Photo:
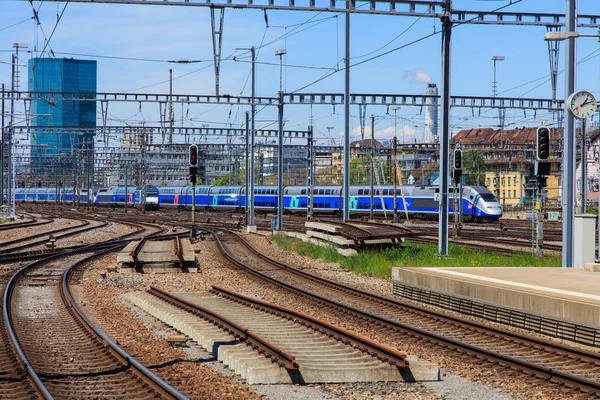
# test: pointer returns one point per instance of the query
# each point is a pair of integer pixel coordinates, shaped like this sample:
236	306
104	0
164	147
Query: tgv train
52	195
478	203
134	196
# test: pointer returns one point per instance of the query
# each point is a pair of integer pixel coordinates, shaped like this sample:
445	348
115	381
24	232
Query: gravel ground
142	336
19	233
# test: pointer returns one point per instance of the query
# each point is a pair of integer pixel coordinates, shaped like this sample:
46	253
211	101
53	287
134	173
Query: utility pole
583	169
247	174
126	190
395	168
347	116
372	212
280	165
252	133
2	147
171	114
310	175
568	178
445	138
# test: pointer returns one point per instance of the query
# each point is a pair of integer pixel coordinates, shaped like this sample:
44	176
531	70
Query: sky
133	43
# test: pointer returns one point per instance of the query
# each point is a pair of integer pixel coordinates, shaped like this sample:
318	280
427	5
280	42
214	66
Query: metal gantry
374	99
407	8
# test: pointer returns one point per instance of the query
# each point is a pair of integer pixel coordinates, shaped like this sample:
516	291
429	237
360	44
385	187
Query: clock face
582	104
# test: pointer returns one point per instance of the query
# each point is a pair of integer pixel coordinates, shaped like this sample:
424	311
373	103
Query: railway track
64	355
27	242
574	370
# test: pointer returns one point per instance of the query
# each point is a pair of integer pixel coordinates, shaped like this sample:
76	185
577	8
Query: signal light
543	143
458	160
193	156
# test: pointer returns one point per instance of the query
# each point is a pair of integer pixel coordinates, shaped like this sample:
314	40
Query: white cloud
417	75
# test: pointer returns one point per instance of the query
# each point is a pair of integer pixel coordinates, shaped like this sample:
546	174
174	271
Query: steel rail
7	315
282	357
550	374
382	352
137	368
25	224
37	235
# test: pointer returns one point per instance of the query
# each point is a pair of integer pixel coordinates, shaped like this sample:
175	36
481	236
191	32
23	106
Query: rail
239	331
384	353
525	367
141	371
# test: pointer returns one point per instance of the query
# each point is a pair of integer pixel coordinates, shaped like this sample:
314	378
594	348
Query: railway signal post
542	170
457	187
193	161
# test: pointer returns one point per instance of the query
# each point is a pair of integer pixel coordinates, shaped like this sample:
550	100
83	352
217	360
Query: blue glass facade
56	151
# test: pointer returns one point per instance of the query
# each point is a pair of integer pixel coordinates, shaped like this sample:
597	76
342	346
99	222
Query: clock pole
568	176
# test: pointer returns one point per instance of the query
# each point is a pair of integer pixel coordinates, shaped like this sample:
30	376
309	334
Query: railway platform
566	295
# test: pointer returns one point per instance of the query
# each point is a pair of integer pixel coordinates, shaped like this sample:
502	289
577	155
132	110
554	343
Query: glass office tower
66	149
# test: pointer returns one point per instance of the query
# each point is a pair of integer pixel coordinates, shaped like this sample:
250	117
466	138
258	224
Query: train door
294	202
353	202
215	201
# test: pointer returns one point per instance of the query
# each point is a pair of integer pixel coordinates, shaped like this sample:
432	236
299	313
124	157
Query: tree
474	167
359	171
224	180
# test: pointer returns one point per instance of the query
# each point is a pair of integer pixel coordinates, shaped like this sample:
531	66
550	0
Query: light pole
281	53
495	94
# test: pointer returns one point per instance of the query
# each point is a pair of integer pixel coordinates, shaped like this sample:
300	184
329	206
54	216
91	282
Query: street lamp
559	36
280	53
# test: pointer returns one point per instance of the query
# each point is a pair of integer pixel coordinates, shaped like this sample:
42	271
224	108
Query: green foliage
474	167
224	180
326	253
380	263
592	210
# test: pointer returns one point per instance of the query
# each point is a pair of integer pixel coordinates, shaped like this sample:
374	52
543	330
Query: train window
360	191
367	191
303	191
302	204
327	191
386	192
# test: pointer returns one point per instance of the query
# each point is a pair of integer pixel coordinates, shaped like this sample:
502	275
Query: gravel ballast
100	290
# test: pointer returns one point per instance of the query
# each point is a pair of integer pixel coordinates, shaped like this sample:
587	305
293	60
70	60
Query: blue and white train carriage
478	202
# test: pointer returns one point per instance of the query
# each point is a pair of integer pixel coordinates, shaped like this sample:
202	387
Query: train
132	196
478	203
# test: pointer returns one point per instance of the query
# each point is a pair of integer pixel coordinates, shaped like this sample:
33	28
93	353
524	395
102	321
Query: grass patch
380	263
326	253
